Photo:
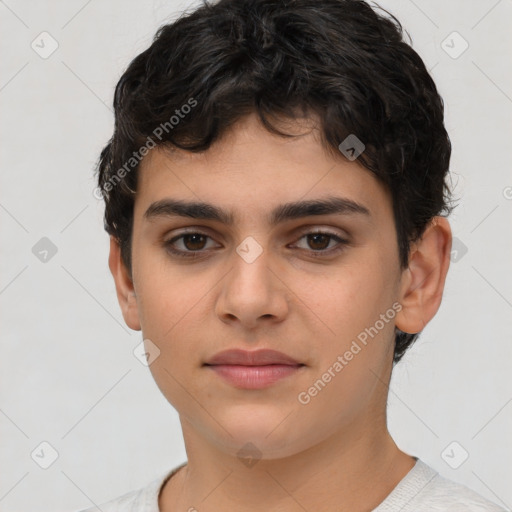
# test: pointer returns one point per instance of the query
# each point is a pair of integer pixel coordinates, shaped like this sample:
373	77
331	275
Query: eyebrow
199	210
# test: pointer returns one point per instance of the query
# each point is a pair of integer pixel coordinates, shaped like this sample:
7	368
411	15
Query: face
320	286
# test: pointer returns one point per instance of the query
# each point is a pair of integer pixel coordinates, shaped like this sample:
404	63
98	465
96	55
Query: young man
275	191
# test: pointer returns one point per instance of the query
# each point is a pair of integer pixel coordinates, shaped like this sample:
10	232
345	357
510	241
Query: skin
335	452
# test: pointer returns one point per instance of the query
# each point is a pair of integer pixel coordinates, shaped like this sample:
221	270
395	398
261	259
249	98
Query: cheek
169	306
355	351
164	293
349	298
358	344
175	308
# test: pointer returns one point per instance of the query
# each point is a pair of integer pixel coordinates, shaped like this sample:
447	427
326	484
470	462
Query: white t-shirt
421	490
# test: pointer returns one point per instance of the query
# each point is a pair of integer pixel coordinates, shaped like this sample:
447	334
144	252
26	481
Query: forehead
250	170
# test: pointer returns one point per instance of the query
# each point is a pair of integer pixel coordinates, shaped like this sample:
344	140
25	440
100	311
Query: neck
349	471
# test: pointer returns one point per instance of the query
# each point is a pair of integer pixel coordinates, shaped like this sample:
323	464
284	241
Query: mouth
254	377
253	369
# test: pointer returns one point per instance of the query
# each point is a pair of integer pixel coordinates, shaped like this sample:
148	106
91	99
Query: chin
258	433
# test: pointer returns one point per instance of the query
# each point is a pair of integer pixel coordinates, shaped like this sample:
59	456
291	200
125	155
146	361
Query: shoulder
134	501
128	502
445	495
424	490
144	499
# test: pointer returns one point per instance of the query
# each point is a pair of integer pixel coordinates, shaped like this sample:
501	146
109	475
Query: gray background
68	374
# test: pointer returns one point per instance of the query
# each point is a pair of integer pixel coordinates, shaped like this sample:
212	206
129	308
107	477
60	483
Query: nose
252	291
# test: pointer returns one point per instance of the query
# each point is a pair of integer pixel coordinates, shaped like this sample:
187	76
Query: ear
422	282
124	286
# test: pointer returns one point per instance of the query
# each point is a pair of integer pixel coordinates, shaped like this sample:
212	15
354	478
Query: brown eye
194	242
318	242
188	245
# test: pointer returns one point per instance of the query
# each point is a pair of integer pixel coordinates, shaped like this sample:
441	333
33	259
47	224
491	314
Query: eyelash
199	253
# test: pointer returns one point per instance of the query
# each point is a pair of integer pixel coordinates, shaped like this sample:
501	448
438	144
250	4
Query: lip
255	369
251	358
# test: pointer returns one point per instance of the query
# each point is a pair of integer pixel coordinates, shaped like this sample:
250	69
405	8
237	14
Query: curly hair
282	59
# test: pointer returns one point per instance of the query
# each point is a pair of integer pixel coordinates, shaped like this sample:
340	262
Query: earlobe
424	279
124	286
